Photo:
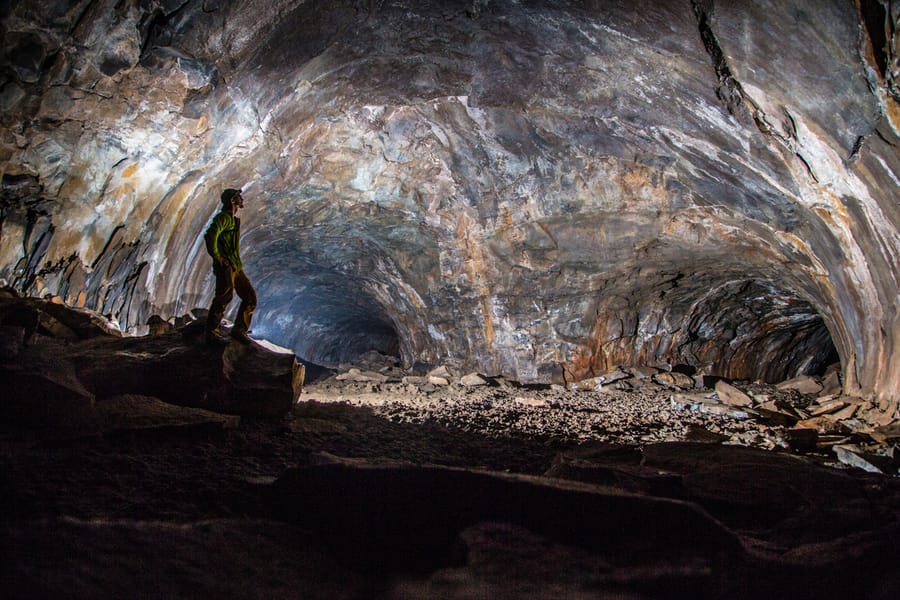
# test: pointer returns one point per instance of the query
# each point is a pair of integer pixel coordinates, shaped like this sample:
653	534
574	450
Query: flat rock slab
732	396
144	414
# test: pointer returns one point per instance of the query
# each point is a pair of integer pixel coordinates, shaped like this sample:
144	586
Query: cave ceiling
535	189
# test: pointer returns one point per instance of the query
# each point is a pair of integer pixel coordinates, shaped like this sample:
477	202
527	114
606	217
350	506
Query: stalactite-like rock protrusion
538	190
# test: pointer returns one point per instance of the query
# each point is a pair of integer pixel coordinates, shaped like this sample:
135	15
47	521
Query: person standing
223	242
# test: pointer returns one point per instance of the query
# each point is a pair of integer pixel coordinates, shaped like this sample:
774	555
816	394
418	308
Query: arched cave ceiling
538	189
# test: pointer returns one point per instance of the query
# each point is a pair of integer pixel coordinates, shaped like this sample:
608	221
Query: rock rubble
631	406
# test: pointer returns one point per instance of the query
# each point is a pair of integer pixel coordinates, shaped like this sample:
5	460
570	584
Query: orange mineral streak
475	271
130	170
893	113
595	356
579	365
641	186
174	206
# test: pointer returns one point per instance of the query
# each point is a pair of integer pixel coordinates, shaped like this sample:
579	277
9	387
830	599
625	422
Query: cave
481	188
512	208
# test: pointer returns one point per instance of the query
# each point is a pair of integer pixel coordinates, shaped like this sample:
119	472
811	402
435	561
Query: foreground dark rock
57	363
405	515
219	558
726	522
739	523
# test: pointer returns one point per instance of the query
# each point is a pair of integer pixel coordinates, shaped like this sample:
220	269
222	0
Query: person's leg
247	294
224	294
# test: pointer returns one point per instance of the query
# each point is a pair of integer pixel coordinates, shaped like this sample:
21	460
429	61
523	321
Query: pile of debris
814	416
635	405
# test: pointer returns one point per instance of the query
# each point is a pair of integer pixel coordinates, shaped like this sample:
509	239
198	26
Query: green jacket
223	239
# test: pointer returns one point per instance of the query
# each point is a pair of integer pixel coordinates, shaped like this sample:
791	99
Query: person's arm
212	239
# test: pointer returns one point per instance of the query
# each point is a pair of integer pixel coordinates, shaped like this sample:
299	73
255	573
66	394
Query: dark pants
229	281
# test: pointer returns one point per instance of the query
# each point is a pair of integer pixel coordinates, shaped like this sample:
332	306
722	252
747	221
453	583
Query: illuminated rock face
533	189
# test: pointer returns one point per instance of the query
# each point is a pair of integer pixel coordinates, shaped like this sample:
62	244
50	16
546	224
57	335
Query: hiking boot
240	336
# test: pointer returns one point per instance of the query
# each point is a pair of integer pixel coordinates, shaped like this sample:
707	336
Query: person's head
231	198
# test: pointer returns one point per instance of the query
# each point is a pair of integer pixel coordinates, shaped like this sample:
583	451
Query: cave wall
538	189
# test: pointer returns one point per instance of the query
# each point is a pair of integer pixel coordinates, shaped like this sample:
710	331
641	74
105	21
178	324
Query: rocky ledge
66	372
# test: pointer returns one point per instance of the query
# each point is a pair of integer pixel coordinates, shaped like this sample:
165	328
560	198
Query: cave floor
358	494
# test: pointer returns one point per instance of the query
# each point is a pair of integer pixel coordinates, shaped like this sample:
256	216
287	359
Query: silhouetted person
223	242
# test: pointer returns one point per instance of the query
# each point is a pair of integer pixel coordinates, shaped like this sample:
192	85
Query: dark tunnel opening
326	318
757	330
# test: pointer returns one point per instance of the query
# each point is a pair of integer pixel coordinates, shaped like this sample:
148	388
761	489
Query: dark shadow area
874	18
434	506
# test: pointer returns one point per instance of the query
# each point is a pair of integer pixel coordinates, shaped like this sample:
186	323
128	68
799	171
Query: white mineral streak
888	170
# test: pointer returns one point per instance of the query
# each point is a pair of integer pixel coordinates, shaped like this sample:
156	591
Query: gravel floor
644	415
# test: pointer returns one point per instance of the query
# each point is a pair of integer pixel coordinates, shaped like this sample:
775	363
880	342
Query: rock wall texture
538	189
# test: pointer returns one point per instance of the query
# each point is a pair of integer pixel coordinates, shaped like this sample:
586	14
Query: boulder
732	396
51	319
239	379
441	372
845	413
375	361
675	379
852	456
702	403
644	372
828	407
472	380
531	402
359	376
597	383
158	326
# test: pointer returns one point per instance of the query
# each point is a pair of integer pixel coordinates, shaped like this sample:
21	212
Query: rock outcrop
539	190
59	363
